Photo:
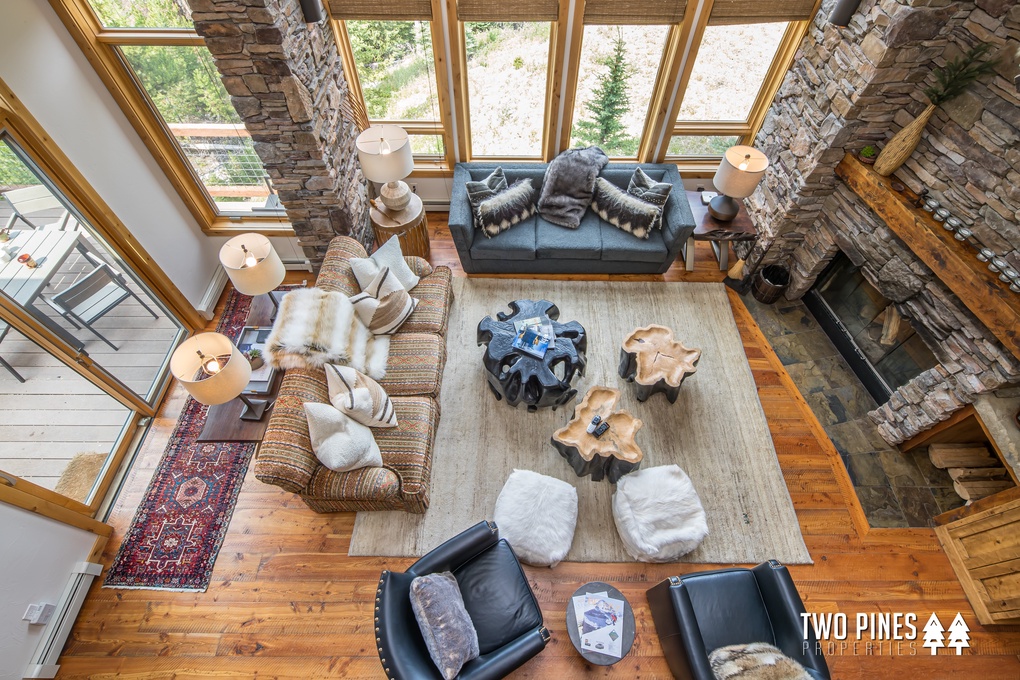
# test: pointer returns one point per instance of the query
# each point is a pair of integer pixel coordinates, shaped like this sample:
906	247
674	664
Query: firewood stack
975	470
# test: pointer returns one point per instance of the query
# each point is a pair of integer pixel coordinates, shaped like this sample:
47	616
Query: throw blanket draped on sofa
568	185
315	327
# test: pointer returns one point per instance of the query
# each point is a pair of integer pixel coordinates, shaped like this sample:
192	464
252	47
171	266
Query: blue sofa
536	246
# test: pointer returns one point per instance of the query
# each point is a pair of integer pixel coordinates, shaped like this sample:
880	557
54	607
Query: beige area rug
80	475
716	431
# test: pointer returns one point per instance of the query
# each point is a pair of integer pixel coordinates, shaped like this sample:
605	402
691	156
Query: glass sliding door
84	345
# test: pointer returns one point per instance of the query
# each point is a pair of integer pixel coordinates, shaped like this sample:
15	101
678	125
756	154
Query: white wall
45	68
36	558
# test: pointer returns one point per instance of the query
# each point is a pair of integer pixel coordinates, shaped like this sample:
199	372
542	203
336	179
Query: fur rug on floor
315	327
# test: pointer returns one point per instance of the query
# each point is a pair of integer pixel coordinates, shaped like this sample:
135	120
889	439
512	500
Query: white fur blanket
315	327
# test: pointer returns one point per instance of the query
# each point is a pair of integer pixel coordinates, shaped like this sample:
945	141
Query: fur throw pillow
568	185
358	396
537	515
388	255
505	209
338	442
315	327
650	191
754	661
449	633
623	210
384	304
486	188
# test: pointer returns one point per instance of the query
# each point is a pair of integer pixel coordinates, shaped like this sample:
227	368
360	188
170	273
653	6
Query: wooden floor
56	413
286	601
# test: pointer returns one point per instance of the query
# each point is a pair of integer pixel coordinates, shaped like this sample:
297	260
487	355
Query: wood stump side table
519	377
410	225
612	455
655	362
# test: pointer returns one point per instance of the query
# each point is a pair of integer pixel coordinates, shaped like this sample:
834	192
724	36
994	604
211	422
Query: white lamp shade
730	180
252	279
385	153
220	387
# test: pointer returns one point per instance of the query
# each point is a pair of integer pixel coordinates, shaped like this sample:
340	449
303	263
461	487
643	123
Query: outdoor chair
33	200
91	297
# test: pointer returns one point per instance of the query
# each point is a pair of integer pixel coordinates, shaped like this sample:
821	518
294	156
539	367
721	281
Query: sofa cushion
584	243
285	457
434	293
618	245
407	448
513	244
415	365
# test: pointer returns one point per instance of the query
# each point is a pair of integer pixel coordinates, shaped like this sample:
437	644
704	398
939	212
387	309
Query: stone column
287	83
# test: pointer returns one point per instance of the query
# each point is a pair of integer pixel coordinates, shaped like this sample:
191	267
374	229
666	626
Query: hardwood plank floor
286	601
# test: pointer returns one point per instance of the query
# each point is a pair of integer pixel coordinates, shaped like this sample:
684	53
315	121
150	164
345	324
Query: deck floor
56	413
287	602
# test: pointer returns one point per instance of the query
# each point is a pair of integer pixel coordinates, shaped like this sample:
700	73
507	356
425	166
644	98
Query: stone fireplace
855	86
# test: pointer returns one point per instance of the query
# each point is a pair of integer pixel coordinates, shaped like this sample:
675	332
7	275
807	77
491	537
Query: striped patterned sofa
413	377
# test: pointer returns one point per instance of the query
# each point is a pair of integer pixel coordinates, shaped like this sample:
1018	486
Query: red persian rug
177	531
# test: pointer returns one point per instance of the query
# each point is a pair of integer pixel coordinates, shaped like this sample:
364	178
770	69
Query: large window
616	78
160	71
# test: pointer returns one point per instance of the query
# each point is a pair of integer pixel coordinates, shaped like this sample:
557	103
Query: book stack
534	335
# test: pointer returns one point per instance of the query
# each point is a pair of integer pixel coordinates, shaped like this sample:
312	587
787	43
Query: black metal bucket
770	282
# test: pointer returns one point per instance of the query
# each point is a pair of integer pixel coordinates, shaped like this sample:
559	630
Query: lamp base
395	195
254	410
723	208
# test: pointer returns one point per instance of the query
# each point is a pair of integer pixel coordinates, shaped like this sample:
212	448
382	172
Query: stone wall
287	83
854	86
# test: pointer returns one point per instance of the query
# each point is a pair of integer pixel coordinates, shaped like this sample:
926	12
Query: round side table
409	225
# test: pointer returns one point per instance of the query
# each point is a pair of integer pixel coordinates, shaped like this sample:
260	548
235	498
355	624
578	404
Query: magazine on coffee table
540	324
532	342
600	623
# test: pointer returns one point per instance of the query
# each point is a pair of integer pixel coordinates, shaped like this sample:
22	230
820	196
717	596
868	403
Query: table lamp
385	155
214	371
253	266
739	172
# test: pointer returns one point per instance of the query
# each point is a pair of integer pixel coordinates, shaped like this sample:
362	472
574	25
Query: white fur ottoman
658	514
537	514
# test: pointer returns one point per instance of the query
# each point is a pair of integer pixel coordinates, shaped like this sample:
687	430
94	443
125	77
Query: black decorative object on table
520	378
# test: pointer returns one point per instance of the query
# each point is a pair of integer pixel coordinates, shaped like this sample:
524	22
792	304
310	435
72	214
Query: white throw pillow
384	304
340	443
355	394
537	515
388	255
658	514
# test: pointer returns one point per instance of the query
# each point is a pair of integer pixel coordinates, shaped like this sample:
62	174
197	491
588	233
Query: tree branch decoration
953	78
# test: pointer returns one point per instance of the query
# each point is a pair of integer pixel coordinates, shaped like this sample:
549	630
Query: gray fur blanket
568	185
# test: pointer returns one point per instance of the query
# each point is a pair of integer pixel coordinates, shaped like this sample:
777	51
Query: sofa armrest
677	218
419	265
677	627
501	662
458	550
784	605
462	225
336	274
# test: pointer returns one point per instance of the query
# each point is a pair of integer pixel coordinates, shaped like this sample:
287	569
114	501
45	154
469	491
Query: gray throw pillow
650	191
623	210
505	209
444	622
486	188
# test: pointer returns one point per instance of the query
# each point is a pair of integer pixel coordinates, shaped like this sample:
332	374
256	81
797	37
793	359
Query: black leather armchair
497	596
700	612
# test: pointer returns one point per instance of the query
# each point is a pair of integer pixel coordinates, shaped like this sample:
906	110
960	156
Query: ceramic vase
903	143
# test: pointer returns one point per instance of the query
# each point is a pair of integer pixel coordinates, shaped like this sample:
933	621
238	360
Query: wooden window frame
100	46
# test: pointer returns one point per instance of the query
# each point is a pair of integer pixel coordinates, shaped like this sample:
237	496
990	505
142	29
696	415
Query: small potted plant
867	155
255	358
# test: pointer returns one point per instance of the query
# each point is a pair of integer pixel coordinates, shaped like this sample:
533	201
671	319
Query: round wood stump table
520	378
410	225
610	456
655	362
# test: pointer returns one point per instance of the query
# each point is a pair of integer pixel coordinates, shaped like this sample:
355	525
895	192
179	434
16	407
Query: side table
600	627
610	456
716	232
410	225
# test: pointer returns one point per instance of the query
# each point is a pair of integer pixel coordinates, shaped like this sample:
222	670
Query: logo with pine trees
934	634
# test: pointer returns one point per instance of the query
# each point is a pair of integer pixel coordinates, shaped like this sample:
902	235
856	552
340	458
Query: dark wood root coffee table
655	362
622	627
520	378
610	456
